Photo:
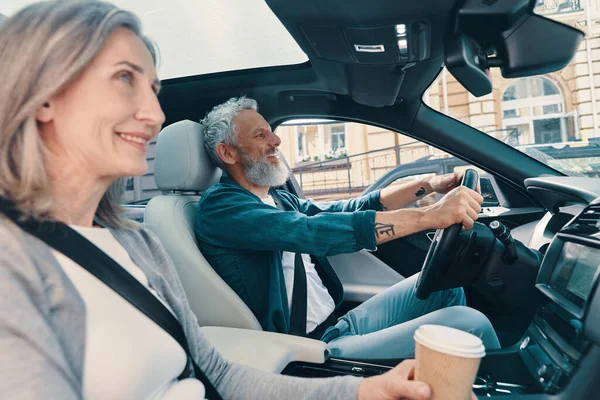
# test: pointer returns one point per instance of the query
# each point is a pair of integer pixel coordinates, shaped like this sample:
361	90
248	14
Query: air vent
590	216
489	2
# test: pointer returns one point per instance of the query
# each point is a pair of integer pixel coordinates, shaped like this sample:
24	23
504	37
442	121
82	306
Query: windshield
554	117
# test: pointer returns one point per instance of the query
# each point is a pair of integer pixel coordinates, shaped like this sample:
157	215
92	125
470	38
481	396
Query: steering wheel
443	248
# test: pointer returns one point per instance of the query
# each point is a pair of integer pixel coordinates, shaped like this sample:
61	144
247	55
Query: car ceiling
322	86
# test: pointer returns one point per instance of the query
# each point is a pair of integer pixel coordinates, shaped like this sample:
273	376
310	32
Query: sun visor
376	86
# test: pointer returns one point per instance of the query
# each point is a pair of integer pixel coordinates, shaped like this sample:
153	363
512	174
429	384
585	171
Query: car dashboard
565	330
558	357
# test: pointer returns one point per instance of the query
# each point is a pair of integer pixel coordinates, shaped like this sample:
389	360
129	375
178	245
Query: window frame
529	103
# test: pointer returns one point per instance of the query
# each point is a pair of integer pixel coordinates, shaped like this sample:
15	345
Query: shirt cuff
364	229
374	200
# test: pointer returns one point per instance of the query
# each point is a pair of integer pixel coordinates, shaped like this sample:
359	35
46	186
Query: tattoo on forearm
384	229
420	192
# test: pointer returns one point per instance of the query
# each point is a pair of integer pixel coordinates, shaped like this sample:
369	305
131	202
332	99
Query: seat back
183	171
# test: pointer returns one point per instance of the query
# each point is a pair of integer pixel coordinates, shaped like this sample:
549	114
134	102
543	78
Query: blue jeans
383	326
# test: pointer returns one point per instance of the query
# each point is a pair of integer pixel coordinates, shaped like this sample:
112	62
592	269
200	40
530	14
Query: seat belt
298	308
69	242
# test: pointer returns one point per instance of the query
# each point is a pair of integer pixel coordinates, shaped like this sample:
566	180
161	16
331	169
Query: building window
338	137
533	109
301	151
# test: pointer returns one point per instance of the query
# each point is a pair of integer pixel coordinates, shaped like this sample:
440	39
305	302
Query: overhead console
366	50
403	42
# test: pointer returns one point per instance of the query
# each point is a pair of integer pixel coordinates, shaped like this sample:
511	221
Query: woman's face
103	121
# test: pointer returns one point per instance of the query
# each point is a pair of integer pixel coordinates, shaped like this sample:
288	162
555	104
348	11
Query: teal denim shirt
243	239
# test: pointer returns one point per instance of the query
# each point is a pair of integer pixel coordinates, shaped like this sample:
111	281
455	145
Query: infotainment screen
575	271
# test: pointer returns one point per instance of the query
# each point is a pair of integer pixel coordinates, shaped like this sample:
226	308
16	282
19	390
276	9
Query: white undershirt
127	356
319	303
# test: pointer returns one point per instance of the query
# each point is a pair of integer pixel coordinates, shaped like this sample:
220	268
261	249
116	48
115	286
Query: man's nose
274	140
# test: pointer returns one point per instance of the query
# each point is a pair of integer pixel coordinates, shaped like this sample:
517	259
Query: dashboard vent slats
591	216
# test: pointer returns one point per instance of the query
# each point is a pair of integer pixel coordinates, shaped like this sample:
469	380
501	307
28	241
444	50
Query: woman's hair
44	48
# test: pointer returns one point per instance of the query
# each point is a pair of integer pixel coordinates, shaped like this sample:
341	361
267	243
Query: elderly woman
79	106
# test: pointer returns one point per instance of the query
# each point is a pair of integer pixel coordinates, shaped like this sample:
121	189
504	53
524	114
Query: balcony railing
549	7
354	173
350	175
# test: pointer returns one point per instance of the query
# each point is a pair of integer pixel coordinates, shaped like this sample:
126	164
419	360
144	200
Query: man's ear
45	113
227	154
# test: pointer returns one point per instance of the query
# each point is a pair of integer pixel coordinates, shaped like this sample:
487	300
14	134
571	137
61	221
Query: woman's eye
126	76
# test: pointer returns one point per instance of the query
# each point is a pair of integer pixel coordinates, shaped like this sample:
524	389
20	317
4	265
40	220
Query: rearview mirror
506	36
465	59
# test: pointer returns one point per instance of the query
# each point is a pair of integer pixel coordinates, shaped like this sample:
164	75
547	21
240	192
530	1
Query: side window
335	160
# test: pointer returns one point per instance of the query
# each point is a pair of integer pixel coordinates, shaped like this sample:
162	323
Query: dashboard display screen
575	271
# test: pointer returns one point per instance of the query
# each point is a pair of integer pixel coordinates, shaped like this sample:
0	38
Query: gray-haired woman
78	109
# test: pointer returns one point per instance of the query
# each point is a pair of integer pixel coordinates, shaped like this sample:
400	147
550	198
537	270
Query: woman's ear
227	153
45	113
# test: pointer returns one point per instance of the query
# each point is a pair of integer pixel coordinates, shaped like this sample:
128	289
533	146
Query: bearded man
271	246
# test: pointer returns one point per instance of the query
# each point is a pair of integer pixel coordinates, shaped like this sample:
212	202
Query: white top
319	303
127	355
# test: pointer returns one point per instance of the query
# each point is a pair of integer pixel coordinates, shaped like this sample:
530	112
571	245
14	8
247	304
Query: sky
204	36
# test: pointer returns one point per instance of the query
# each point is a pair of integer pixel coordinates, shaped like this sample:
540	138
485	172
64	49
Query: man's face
257	147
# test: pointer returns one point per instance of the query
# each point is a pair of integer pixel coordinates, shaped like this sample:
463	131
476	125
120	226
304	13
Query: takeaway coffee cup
447	359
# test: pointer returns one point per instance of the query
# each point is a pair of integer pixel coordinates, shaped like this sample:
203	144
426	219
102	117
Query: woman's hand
396	384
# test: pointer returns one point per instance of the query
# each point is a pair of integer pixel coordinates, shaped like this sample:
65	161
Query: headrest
181	162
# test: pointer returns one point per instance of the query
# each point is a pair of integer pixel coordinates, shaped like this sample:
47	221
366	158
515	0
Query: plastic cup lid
450	341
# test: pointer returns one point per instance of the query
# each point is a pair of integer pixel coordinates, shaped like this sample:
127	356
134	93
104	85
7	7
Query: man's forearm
391	225
399	196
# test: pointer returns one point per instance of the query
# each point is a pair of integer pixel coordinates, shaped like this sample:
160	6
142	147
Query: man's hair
43	49
218	126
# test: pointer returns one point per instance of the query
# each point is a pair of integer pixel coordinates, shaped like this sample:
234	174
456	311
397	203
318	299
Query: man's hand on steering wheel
457	210
460	206
443	184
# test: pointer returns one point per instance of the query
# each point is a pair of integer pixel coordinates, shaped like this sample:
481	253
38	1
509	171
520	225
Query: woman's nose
150	110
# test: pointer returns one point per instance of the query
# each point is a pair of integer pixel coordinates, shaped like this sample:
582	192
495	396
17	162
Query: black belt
298	306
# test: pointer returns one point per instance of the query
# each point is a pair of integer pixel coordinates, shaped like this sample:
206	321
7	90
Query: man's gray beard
262	172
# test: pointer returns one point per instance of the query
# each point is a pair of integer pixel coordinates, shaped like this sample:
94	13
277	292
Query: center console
555	341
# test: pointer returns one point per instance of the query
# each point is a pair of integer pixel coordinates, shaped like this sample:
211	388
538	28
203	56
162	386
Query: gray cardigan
43	322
